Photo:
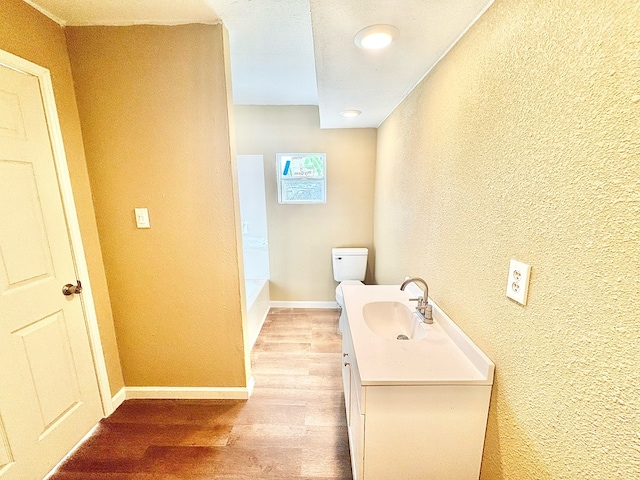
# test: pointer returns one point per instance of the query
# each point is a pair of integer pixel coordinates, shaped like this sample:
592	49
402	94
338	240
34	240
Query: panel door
49	397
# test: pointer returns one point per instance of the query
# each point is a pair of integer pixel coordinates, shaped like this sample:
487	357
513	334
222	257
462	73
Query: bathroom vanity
416	407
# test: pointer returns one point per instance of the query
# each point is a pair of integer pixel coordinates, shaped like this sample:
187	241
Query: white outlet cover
518	281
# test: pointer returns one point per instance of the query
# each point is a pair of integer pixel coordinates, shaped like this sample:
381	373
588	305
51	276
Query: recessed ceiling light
350	113
376	37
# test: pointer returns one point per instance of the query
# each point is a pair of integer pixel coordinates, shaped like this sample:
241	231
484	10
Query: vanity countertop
446	356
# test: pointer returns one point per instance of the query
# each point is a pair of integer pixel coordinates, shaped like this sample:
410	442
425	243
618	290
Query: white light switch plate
518	281
142	218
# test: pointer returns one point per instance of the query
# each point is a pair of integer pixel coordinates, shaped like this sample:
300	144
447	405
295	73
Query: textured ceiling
301	52
271	51
376	81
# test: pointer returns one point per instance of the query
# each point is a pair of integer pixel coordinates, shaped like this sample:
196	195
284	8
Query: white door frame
73	226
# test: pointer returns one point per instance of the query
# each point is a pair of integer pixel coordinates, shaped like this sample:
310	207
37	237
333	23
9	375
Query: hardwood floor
293	427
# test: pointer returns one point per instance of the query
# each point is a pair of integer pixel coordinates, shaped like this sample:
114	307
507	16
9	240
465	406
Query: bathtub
257	296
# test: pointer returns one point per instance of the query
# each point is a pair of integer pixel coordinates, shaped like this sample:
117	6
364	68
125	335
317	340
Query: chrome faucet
423	309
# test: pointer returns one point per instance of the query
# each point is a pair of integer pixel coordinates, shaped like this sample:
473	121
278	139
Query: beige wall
27	33
153	105
524	143
301	236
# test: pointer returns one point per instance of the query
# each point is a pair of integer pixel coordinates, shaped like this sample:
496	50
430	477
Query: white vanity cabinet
423	424
353	401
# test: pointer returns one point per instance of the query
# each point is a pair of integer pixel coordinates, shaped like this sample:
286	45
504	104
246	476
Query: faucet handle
428	314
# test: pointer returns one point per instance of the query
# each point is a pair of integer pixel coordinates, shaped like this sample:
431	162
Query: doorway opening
255	243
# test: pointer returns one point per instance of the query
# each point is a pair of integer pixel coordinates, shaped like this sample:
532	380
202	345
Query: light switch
142	218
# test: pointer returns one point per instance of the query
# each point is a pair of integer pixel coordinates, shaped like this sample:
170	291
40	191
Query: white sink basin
438	354
393	320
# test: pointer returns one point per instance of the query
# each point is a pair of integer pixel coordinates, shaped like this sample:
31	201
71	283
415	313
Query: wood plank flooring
293	427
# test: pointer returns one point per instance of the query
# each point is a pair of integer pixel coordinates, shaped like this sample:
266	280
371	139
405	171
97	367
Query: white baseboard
117	400
250	385
278	304
208	393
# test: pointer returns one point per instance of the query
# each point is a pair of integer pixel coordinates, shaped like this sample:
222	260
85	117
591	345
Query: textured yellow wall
301	236
524	142
27	33
153	103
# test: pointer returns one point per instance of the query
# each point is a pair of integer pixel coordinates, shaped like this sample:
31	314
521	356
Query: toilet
349	267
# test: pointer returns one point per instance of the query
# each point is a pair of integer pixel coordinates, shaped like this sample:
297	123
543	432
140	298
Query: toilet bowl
339	296
340	301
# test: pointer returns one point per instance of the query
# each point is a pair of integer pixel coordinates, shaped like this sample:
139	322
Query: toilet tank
349	263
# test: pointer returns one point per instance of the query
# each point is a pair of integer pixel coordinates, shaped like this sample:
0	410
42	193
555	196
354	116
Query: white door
49	397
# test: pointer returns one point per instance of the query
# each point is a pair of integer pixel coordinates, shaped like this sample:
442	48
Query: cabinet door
356	435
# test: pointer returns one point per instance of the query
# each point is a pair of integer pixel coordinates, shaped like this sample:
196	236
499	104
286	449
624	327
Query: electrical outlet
518	281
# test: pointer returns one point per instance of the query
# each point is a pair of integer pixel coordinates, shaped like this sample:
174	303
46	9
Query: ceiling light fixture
350	113
375	37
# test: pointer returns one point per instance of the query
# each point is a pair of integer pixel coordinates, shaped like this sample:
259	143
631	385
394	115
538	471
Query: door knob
70	289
